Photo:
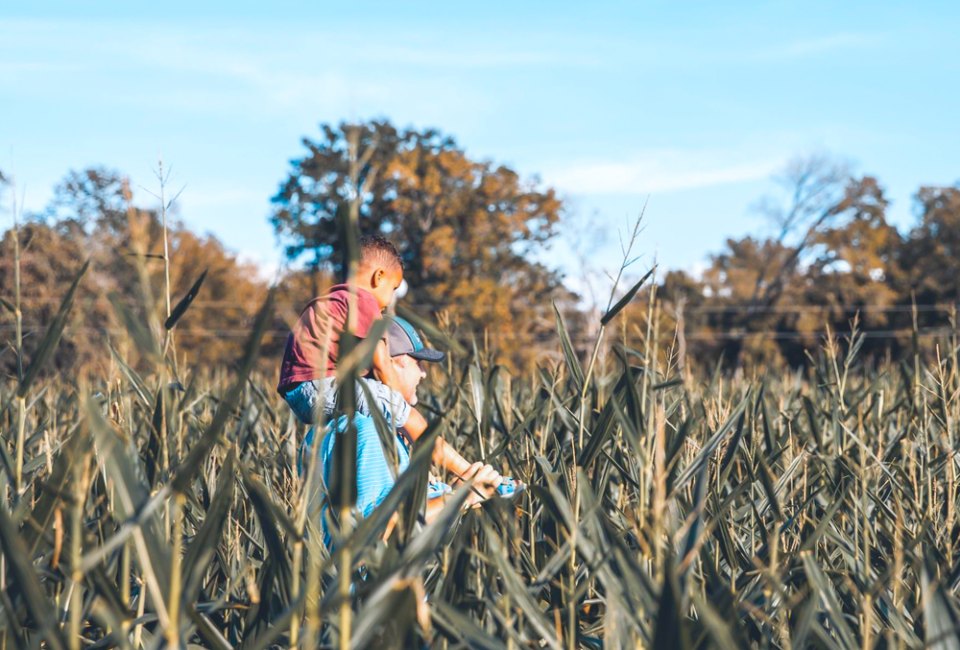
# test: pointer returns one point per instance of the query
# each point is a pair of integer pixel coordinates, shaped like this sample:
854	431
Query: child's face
384	284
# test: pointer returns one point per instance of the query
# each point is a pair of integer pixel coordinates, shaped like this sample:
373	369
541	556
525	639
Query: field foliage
162	506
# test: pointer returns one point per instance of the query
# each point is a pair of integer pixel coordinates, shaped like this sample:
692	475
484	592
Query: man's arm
443	454
450	459
485	484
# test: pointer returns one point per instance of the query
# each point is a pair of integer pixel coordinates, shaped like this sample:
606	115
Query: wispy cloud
807	48
210	70
220	197
829	43
661	171
714	55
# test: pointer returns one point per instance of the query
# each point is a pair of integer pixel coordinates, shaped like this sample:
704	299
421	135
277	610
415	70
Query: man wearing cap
375	477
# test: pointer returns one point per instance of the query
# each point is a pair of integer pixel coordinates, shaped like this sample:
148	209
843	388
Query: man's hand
485	483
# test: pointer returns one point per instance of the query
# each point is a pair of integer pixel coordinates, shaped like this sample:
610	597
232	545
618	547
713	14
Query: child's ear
378	276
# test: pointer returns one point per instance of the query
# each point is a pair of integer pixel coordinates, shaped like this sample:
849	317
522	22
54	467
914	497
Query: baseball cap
403	339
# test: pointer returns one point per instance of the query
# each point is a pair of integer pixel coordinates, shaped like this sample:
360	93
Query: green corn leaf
385	430
279	519
696	524
719	628
204	544
726	465
130	497
359	359
518	591
52	336
411	508
342	484
710	446
190	466
372	527
670	631
433	333
388	617
828	596
477	393
207	631
143	393
181	306
573	364
27	582
605	428
461	628
272	520
766	480
941	624
625	300
103	611
139	331
53	493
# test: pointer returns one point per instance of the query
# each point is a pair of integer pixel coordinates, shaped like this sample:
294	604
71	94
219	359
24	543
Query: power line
820	307
703	335
700	309
931	332
181	333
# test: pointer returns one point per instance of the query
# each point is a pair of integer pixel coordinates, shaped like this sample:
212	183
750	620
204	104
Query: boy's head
380	270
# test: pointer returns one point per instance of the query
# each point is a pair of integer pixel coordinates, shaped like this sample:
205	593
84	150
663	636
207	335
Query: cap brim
428	355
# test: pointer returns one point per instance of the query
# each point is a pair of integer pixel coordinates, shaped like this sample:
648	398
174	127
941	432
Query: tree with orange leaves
472	234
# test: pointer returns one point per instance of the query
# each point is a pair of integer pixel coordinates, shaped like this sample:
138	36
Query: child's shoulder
341	291
337	298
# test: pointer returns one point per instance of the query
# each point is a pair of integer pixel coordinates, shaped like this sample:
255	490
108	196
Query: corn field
161	506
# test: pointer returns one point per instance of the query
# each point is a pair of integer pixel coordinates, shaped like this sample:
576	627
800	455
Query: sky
689	109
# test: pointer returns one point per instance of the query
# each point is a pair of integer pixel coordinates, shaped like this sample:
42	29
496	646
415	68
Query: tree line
473	236
834	263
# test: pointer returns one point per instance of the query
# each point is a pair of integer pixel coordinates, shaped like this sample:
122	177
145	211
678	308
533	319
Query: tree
93	216
856	268
832	255
470	232
932	248
747	314
815	192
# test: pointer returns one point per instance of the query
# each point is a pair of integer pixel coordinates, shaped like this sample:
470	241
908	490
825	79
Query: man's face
410	373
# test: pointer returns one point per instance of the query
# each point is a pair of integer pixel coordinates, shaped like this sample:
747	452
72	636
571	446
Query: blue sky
695	105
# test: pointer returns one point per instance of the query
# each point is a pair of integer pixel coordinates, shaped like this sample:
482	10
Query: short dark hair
375	249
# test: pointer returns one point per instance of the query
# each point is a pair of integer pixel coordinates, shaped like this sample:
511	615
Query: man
312	353
375	476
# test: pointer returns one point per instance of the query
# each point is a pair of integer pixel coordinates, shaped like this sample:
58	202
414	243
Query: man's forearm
447	457
444	455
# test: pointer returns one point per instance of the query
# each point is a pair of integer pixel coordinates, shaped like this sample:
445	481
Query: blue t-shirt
375	474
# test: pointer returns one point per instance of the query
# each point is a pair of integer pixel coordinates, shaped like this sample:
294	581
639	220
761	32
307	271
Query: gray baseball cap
403	339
